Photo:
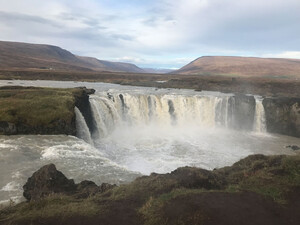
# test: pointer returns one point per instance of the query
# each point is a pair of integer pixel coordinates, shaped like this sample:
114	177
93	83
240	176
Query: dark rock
105	187
86	188
83	104
190	177
283	115
89	188
7	128
293	147
46	181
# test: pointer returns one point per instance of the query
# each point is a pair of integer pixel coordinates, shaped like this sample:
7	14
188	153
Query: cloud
288	54
158	32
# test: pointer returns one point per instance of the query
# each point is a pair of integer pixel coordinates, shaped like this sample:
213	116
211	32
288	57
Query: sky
156	33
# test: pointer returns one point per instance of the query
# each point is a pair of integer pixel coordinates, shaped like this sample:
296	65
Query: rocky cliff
283	115
32	110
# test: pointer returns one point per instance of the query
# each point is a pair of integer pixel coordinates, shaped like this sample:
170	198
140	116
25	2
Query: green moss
37	106
272	176
54	207
152	210
152	197
143	187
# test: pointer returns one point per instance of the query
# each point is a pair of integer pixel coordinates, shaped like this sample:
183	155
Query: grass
149	199
37	107
272	176
63	207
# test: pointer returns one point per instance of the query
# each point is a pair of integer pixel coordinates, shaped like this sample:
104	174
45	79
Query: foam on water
146	130
11	186
74	157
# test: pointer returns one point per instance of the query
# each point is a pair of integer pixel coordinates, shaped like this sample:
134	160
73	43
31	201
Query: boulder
46	181
88	188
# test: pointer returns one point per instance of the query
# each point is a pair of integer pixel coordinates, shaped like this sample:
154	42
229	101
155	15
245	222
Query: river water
138	130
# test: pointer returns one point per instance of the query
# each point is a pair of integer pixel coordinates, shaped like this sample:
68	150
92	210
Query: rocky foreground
256	190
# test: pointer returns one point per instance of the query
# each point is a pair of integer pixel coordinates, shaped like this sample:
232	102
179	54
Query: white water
82	128
152	130
259	117
114	109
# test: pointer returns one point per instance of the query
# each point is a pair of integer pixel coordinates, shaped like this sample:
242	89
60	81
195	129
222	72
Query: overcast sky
156	33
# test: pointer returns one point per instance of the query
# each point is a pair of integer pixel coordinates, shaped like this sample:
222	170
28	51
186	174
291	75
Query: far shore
271	86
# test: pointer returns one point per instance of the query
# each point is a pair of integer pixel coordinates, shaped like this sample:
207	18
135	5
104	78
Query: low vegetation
36	110
256	190
265	86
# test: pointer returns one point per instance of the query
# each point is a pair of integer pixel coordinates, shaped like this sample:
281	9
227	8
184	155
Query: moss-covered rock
34	110
256	190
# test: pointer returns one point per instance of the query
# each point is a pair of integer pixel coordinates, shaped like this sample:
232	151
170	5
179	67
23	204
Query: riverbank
34	110
264	86
256	190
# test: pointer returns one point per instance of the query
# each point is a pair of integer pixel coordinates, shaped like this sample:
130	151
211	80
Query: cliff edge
35	110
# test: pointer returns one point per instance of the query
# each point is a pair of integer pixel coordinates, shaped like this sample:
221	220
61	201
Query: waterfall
82	129
112	110
259	117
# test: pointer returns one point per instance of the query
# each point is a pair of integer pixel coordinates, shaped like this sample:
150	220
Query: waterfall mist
139	130
158	132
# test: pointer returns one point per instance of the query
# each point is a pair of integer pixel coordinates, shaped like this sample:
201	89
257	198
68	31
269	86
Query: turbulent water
138	131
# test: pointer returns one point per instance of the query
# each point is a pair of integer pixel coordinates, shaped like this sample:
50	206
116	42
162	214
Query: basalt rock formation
48	181
283	115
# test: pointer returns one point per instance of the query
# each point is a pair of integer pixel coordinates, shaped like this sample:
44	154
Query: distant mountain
244	66
15	55
156	70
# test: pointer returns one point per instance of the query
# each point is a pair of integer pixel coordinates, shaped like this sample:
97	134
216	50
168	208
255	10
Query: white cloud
157	32
287	54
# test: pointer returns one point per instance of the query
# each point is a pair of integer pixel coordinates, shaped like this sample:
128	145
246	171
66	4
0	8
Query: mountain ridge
243	66
50	57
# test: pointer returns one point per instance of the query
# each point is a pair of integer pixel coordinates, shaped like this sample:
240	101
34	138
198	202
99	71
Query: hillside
243	66
14	55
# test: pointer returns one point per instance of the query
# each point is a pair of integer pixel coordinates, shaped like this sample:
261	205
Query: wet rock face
7	128
283	115
244	111
46	181
83	104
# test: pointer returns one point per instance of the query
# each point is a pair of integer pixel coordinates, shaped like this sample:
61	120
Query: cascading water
259	117
140	130
83	131
177	110
147	132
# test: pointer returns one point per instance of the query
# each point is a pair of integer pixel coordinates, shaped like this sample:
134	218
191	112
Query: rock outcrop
253	190
48	181
283	115
83	104
34	110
